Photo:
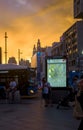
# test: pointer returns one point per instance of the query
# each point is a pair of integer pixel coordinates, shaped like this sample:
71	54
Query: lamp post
6	47
19	53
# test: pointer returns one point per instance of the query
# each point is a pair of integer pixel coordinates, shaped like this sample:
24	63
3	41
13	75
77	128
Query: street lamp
6	47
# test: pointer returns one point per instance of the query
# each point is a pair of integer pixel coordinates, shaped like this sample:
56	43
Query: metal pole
6	47
19	56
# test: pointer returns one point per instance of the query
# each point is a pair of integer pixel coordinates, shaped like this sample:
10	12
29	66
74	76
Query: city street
31	114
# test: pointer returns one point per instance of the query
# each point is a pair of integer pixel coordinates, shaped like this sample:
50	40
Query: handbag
77	111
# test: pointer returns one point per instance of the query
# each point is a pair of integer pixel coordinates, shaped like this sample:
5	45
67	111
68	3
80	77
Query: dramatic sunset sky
26	21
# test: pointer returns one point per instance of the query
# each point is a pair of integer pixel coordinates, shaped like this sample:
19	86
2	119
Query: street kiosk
56	74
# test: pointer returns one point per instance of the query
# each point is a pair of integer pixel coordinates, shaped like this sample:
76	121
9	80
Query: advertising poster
56	72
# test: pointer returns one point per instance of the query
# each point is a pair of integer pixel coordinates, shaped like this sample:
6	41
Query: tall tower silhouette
6	47
34	50
38	45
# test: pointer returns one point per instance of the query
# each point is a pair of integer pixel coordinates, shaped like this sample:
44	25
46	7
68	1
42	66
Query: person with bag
78	109
77	112
46	91
12	89
75	85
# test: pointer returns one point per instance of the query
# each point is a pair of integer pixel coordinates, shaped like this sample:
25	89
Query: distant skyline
26	21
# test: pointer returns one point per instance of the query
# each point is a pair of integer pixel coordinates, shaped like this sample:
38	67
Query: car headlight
31	91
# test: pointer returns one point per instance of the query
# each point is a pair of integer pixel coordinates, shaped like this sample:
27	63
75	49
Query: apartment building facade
78	9
57	49
73	45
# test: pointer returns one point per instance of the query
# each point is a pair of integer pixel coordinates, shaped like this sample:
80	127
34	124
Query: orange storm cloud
26	21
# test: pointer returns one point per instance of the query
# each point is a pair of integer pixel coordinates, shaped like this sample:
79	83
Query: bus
22	75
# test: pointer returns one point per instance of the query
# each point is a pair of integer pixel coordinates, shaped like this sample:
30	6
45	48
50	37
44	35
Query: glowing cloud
27	20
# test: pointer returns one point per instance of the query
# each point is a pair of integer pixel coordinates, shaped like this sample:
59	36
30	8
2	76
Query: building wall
12	60
46	52
38	61
80	37
34	61
57	49
78	8
73	40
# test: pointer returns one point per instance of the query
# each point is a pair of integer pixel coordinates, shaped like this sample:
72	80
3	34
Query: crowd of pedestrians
10	91
46	93
77	96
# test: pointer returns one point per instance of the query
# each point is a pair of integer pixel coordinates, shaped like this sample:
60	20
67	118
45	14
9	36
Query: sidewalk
32	115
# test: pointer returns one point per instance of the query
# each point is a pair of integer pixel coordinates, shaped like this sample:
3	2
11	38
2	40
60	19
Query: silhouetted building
57	49
34	50
24	62
38	46
38	59
12	60
34	61
78	8
73	45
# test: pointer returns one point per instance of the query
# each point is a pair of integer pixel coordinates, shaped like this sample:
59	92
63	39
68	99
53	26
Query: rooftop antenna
6	47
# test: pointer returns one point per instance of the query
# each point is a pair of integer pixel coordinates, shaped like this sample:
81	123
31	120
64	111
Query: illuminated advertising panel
56	72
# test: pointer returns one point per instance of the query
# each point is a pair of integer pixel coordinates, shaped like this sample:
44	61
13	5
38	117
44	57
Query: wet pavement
31	114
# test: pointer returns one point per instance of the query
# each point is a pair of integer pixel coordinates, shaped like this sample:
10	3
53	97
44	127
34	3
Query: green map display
56	72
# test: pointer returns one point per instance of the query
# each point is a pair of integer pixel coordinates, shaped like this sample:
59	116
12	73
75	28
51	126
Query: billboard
56	72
